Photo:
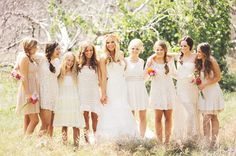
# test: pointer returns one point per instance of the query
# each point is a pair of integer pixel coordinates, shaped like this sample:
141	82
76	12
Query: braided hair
164	46
49	50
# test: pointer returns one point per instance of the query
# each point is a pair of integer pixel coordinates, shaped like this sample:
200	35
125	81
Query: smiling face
70	60
89	52
184	47
57	52
135	49
111	44
160	51
200	54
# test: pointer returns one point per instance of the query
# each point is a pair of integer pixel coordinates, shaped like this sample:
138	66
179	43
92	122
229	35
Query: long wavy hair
63	68
117	48
164	46
49	50
83	59
189	41
207	68
28	44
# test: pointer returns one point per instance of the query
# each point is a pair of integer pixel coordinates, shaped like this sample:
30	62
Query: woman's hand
103	99
201	86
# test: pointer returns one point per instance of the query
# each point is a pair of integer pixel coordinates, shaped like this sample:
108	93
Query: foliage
204	21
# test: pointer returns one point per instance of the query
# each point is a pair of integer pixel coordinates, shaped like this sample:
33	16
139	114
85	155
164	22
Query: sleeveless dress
48	83
162	93
187	93
67	110
212	101
89	90
137	92
33	85
116	120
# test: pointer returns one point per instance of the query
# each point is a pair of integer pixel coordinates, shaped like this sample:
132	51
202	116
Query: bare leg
143	122
50	127
26	123
168	125
206	126
86	129
34	120
158	124
64	135
46	117
94	121
76	134
215	128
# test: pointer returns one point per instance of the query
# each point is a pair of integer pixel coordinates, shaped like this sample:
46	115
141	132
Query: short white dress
67	111
89	90
162	93
48	82
137	92
212	101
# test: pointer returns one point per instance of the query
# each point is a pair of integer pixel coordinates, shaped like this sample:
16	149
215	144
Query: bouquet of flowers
32	100
197	81
16	75
151	72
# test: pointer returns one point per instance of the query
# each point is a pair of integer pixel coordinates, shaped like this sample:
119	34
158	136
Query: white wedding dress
116	120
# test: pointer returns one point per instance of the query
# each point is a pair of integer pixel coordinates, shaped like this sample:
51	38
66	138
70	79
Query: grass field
12	142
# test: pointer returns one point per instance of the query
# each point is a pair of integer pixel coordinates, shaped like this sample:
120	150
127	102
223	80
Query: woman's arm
148	65
99	72
103	80
216	71
24	70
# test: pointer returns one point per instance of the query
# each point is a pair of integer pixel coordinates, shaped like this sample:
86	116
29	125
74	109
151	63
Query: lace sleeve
39	57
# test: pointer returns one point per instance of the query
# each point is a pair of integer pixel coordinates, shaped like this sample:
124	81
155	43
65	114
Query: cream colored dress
186	114
162	93
67	111
89	90
137	92
48	83
212	101
33	85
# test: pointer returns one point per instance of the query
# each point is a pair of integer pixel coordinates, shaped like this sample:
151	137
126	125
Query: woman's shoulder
102	58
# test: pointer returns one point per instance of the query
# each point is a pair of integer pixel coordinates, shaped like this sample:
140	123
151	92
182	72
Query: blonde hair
74	70
28	44
82	58
137	42
117	48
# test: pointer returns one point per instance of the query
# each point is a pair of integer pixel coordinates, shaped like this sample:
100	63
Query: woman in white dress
162	93
49	69
137	92
29	86
67	110
88	79
212	101
187	92
116	120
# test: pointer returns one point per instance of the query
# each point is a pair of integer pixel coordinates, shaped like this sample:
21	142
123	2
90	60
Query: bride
116	120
